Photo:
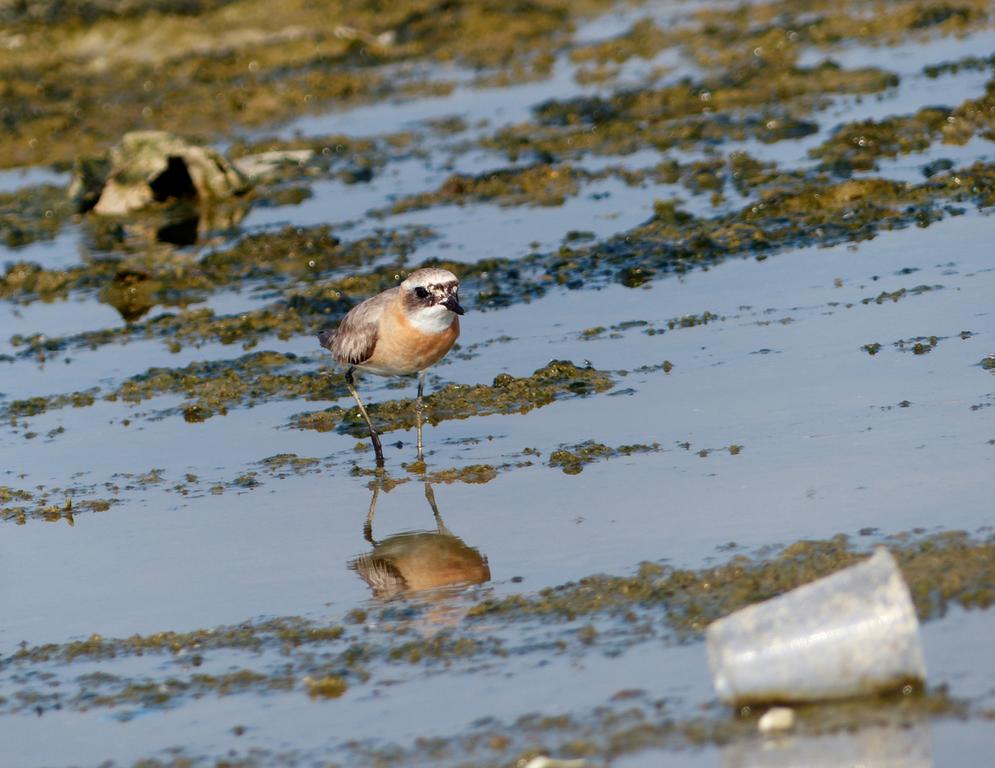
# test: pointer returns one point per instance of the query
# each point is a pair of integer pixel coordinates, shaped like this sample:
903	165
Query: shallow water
774	425
13	179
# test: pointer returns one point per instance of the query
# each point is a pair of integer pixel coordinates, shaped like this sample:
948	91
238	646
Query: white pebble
776	719
541	761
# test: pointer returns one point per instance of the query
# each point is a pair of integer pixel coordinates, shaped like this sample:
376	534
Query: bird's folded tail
326	339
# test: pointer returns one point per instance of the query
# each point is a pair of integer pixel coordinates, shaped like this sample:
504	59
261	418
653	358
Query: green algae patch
444	646
305	253
750	57
291	632
8	494
284	465
282	654
918	345
897	295
572	459
802	213
506	395
643	40
634	721
858	146
72	88
295	254
214	385
288	653
752	87
966	63
33	213
474	474
685	115
210	387
789	212
471	474
765	33
301	309
89	11
147	695
26	280
50	505
328	687
942	570
542	185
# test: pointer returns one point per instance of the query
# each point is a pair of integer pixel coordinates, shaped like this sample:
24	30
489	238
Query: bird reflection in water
418	560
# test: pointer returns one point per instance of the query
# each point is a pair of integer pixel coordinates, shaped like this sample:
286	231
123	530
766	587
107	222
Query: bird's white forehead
431	278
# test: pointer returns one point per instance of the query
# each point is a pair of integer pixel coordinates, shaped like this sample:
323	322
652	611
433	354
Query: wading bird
401	331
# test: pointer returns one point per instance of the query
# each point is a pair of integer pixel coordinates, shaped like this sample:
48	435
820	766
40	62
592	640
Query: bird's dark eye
421	293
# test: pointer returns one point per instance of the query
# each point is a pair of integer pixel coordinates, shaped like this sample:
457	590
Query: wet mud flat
729	277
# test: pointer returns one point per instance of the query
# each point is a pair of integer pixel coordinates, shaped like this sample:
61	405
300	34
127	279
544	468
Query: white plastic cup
853	633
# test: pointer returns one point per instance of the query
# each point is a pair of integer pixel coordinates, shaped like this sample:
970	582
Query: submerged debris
149	167
851	633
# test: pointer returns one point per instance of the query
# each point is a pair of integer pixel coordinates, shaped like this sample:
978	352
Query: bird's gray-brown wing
353	342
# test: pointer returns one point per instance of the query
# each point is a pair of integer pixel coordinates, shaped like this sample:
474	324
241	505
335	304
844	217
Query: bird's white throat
434	319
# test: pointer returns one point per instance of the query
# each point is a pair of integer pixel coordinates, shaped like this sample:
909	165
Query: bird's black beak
452	304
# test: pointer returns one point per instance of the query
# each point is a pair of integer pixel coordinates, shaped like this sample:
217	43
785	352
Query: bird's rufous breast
403	348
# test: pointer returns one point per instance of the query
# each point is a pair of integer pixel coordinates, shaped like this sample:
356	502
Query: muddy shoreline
729	287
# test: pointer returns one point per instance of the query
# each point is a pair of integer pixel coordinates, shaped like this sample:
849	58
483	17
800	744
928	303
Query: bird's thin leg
362	409
430	495
419	407
368	526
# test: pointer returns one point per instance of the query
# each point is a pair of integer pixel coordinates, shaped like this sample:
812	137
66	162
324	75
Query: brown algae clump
857	146
475	474
506	395
801	212
543	185
50	505
941	570
292	254
643	40
572	459
284	465
75	86
682	115
212	387
919	345
328	687
32	213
